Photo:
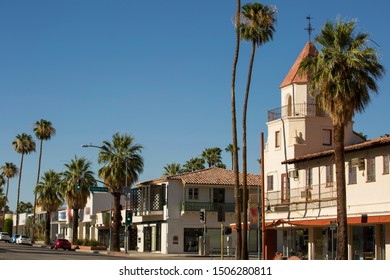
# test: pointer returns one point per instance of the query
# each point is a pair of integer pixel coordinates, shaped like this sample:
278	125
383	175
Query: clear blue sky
157	70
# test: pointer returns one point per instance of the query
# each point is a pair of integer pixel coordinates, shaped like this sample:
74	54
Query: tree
235	167
43	130
172	169
23	144
123	164
256	26
25	207
342	77
194	164
49	196
212	156
78	173
230	149
9	170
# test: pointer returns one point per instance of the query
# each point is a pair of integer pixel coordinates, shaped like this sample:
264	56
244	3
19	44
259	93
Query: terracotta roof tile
292	76
377	142
210	176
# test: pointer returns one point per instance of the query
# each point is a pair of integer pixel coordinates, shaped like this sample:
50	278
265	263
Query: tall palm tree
342	77
257	26
49	196
172	169
212	156
9	170
123	164
23	144
235	167
78	173
194	164
43	130
230	149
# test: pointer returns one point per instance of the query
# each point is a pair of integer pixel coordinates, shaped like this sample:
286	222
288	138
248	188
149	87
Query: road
23	252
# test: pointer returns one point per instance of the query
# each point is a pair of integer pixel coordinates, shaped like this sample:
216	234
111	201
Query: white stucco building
300	180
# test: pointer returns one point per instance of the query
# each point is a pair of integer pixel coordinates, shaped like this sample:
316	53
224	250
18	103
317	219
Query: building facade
300	181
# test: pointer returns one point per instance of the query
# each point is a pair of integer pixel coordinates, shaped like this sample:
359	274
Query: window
327	137
270	182
309	178
277	139
329	175
371	169
193	193
386	164
352	175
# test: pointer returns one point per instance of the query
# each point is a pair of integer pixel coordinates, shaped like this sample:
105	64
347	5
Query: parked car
23	239
62	243
14	237
4	236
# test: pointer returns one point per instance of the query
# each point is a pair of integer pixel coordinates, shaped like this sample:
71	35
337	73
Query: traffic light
202	216
227	230
78	185
129	217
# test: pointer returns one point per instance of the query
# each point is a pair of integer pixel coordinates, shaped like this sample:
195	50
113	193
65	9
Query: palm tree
235	167
9	170
43	130
23	144
3	200
78	173
49	196
257	27
123	164
193	164
212	156
342	76
172	169
230	149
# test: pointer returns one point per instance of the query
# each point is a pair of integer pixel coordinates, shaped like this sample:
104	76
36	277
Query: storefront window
295	243
363	242
191	237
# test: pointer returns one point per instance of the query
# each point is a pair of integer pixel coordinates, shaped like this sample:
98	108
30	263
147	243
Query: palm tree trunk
47	228
18	199
244	160
117	222
35	196
75	225
5	202
342	236
237	200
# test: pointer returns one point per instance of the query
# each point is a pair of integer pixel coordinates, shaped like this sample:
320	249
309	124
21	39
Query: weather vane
309	28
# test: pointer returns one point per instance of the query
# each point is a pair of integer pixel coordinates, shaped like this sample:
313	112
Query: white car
23	239
4	236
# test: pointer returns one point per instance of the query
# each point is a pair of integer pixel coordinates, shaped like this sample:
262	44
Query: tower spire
309	28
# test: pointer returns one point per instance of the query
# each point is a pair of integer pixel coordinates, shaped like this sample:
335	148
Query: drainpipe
285	158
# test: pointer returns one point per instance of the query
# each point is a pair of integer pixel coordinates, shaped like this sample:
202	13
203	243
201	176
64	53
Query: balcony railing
313	197
297	110
208	206
147	199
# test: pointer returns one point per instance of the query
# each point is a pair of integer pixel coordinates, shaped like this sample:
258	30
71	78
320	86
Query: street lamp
126	199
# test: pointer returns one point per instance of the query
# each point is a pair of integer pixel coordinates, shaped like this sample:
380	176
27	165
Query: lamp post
126	199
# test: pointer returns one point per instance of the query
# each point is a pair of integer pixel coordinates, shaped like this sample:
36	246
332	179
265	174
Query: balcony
296	199
188	206
299	110
147	200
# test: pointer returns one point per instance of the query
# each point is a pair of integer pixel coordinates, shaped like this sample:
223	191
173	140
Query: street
23	252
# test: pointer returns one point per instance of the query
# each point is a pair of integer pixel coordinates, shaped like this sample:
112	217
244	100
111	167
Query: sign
333	225
98	189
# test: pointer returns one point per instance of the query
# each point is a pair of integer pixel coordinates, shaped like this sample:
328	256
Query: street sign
98	189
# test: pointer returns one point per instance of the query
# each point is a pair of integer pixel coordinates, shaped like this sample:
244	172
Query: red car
62	243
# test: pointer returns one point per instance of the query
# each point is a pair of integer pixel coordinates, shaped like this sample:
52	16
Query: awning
363	219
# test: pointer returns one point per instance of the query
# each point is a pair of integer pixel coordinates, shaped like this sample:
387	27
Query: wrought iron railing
297	110
311	197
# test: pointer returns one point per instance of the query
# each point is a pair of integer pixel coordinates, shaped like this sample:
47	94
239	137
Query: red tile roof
210	176
293	76
377	142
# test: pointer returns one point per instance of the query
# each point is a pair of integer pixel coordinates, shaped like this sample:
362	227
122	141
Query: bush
8	226
87	242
